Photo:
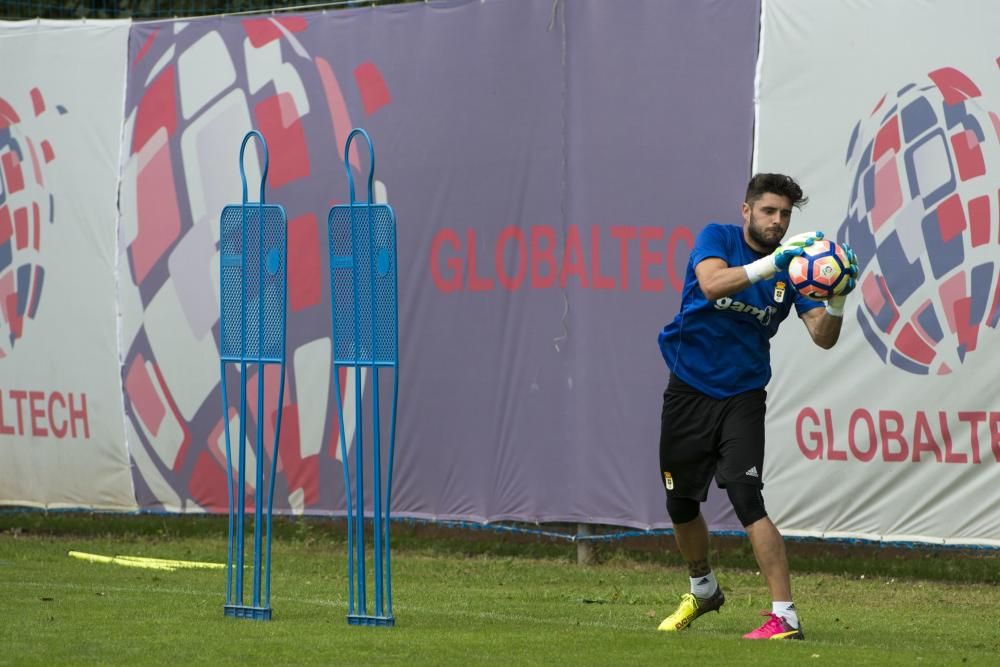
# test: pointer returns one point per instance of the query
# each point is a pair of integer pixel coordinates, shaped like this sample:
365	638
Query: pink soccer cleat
775	627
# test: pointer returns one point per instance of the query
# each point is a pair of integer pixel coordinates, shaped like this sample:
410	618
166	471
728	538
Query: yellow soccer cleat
691	608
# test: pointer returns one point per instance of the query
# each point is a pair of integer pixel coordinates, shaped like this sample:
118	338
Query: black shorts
702	437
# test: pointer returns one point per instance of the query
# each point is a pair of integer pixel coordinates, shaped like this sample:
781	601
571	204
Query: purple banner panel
548	171
660	127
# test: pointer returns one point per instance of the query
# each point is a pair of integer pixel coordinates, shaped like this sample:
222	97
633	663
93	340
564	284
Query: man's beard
759	238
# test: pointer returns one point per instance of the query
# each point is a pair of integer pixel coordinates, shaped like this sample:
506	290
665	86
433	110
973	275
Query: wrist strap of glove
761	269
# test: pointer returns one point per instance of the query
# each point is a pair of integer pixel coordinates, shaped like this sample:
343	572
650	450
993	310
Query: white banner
887	114
62	433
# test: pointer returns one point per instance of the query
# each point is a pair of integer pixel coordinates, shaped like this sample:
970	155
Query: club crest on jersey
668	481
779	291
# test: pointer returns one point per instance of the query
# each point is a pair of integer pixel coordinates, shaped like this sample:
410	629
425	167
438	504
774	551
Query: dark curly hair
778	184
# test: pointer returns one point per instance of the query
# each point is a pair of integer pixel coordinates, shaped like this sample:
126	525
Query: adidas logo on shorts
752	472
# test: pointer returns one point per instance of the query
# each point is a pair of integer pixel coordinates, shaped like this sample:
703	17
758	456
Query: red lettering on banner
476	284
79	413
454	282
4	428
44	415
868	454
572	259
995	434
624	235
57	431
598	281
456	259
816	436
811	453
974	418
18	396
923	439
36	402
676	235
648	258
949	455
894	434
540	254
832	453
508	234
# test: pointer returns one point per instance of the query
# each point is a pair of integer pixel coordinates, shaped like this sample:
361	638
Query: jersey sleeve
710	242
804	305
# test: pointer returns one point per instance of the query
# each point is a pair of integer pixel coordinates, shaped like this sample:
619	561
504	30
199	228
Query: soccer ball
820	272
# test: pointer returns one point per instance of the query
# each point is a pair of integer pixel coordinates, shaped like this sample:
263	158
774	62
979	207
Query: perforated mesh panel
264	284
385	285
231	296
274	273
230	248
353	319
342	284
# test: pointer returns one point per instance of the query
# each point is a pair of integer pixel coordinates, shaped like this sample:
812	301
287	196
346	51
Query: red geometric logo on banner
26	211
296	101
923	218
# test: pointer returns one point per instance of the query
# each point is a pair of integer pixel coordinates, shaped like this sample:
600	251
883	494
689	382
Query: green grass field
472	598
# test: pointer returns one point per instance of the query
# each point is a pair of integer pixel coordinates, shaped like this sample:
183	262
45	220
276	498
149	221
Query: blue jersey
723	347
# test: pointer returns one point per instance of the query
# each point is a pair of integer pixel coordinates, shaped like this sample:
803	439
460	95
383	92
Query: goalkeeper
736	293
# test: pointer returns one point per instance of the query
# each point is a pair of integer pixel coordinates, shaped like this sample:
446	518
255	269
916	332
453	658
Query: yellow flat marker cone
93	558
115	560
173	563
